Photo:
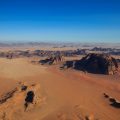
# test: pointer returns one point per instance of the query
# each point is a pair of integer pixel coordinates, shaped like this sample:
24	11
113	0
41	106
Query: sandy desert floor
65	94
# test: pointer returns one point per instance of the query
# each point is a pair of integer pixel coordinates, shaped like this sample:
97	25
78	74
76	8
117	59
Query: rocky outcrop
95	63
113	101
54	59
21	99
7	96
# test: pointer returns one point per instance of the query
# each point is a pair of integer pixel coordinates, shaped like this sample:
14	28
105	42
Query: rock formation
95	63
113	101
7	96
53	59
20	100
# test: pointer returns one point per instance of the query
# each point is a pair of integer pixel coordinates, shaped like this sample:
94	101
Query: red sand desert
60	94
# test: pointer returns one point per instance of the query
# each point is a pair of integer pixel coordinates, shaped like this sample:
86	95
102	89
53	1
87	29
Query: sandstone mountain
95	63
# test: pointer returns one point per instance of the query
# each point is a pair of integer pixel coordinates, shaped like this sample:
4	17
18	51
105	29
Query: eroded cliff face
95	63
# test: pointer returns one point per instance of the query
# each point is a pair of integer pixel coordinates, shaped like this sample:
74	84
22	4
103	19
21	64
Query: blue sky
60	20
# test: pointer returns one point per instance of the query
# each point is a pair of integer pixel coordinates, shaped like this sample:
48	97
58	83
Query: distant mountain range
58	44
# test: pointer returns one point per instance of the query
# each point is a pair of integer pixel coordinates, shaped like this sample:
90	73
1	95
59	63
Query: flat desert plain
62	94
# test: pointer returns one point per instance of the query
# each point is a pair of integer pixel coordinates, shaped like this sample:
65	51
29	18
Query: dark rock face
29	99
68	64
54	59
116	104
96	63
113	102
23	88
30	96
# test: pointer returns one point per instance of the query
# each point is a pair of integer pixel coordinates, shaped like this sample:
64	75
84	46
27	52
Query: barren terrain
65	94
